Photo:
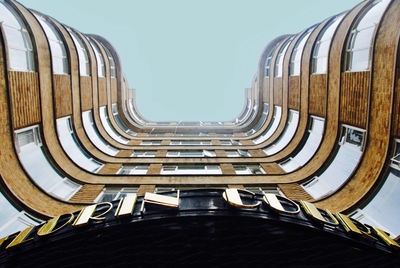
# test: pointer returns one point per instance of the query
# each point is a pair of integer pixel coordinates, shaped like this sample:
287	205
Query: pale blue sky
190	60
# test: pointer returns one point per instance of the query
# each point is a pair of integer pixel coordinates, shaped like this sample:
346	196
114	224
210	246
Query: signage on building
267	205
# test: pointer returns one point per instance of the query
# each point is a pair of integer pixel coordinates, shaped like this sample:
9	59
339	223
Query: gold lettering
49	226
86	214
21	237
389	241
232	196
273	201
162	200
2	240
311	210
126	205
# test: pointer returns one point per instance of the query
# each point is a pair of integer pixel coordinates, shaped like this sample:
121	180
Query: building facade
320	123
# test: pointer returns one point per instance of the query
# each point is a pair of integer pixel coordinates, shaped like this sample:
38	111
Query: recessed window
133	170
295	58
84	63
158	142
101	68
359	42
248	169
111	194
144	154
191	169
279	59
319	63
19	44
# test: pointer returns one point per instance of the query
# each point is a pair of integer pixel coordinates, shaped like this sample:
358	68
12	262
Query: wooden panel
113	90
278	91
110	168
87	193
294	92
86	93
266	90
354	98
396	102
295	192
146	189
272	168
227	169
25	103
154	169
62	95
124	153
317	98
102	91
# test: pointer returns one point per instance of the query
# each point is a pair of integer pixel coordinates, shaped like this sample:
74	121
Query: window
158	142
279	59
359	42
268	62
144	154
19	44
72	147
248	169
395	160
36	164
119	122
109	128
187	169
269	131
320	52
101	68
188	143
94	136
286	136
84	63
295	58
111	194
352	137
313	141
57	47
264	190
133	170
111	61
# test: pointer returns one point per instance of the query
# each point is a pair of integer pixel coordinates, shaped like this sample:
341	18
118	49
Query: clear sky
190	60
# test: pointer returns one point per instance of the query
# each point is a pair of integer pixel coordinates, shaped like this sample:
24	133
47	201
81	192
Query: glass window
57	47
72	147
272	126
119	122
84	63
158	142
359	42
295	58
95	136
144	154
279	59
101	68
133	170
248	169
111	194
111	62
19	44
311	145
36	164
191	169
109	128
320	52
286	136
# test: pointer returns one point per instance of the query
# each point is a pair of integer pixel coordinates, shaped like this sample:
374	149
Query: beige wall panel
295	191
278	91
317	97
114	93
294	92
227	169
62	95
354	98
272	168
86	93
87	193
102	91
24	93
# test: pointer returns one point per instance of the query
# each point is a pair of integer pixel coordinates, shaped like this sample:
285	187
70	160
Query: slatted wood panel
295	192
113	90
86	93
25	98
317	97
354	98
278	91
88	193
294	92
266	90
102	91
62	95
396	103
